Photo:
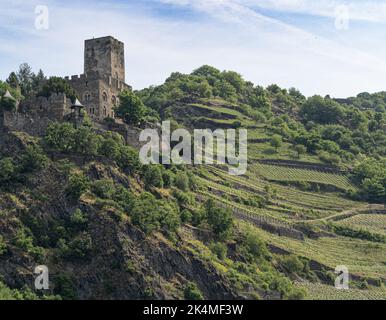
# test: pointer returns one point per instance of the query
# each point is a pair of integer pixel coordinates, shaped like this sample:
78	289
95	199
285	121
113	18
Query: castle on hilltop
98	89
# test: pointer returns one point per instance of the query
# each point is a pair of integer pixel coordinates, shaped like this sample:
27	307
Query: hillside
108	227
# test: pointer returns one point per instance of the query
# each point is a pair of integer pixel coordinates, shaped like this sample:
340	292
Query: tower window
104	111
104	96
114	100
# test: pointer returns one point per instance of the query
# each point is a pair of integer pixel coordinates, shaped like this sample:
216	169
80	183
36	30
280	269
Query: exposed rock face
123	263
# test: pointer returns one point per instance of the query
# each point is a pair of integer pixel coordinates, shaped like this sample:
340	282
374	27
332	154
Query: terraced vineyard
288	202
363	258
371	222
317	291
281	173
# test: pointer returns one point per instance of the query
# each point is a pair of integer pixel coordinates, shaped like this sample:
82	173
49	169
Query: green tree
234	79
57	85
131	108
128	160
13	81
219	219
24	76
276	141
60	136
225	90
322	110
211	74
150	214
86	141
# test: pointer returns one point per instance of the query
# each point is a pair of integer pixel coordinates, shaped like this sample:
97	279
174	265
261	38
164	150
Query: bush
191	292
198	217
219	249
219	219
329	158
33	159
7	170
168	178
183	198
292	264
60	136
77	185
25	242
78	248
86	141
153	176
7	104
150	214
185	216
78	218
64	286
81	246
255	247
182	181
128	160
276	142
103	188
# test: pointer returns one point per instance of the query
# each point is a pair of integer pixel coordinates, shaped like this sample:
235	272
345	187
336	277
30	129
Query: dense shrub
182	181
219	219
103	188
292	264
151	214
7	170
153	176
33	159
219	249
192	292
78	184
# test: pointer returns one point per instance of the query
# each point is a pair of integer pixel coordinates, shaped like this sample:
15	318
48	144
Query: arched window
87	96
104	96
104	111
114	100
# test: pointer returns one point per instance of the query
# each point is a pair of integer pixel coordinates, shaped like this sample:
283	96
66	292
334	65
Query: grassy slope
290	205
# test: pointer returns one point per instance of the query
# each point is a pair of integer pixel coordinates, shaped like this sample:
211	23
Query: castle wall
55	106
33	115
34	126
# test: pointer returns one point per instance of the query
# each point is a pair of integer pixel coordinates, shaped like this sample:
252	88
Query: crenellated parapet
56	106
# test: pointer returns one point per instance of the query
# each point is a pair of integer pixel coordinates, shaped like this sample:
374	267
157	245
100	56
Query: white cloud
236	37
374	11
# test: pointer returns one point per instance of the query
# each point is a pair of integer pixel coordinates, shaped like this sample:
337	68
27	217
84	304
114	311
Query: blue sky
294	43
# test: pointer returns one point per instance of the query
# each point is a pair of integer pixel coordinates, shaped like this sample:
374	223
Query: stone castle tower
98	88
106	56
